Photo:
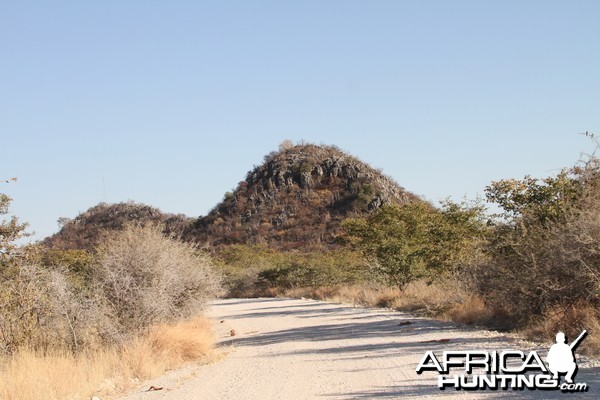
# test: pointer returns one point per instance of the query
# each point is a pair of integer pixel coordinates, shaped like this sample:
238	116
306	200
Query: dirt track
303	349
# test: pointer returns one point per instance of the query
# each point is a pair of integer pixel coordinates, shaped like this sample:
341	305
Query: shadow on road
381	334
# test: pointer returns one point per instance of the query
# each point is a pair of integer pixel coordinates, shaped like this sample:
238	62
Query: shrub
415	241
260	271
545	257
241	265
40	310
149	278
315	270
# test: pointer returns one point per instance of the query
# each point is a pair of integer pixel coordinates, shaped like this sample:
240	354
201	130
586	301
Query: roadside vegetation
124	304
128	311
534	267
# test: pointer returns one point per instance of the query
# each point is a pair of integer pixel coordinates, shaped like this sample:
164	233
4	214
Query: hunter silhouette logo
561	358
509	369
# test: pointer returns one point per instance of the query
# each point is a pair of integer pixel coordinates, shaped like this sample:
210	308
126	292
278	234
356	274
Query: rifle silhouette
575	342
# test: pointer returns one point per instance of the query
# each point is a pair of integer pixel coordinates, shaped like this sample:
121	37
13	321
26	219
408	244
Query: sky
170	103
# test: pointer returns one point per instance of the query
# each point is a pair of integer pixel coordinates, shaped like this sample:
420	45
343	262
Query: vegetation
543	259
90	228
311	221
297	199
10	230
127	310
417	241
105	372
259	270
533	267
138	278
148	278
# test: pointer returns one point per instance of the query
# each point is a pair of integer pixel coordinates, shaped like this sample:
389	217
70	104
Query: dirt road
304	349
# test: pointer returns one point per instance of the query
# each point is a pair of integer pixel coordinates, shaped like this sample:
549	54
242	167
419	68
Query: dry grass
472	311
448	300
451	302
364	295
28	375
571	320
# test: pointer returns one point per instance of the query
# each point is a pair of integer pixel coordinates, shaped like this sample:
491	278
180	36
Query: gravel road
304	349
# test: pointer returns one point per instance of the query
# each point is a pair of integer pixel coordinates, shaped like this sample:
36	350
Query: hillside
297	198
87	229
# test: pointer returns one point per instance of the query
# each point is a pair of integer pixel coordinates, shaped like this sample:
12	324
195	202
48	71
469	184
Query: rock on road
305	349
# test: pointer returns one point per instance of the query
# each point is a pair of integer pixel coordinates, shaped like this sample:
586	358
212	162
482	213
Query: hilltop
86	230
297	198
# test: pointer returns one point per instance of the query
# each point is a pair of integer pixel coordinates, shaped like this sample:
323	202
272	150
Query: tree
540	200
416	240
10	230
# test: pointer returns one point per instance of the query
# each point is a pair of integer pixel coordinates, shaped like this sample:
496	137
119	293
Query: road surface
304	349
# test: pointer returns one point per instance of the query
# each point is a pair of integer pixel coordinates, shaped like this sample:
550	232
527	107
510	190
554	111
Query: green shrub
241	265
258	270
415	241
316	270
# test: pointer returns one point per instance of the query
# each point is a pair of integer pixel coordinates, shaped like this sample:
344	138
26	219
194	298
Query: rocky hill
297	198
87	229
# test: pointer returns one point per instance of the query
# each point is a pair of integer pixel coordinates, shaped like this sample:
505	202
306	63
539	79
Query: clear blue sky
170	103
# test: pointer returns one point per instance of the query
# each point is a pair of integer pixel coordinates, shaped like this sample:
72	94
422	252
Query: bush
315	270
39	310
544	258
260	271
149	278
72	301
241	265
417	241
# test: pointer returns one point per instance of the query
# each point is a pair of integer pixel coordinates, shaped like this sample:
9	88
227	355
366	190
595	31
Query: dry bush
370	295
142	278
536	267
432	299
572	320
24	308
30	375
41	311
81	316
149	278
541	264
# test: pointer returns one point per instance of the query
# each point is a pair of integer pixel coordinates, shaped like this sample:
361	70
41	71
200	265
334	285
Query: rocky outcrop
297	199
